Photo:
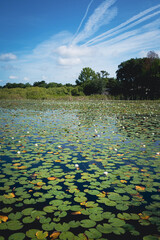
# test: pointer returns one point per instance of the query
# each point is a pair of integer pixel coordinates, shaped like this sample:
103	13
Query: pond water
79	170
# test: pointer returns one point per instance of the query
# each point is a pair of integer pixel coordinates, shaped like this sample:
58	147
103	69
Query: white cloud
139	18
8	57
44	78
26	79
69	61
13	77
73	51
101	16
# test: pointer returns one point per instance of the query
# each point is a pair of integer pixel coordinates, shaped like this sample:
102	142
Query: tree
92	82
86	74
140	78
40	84
152	55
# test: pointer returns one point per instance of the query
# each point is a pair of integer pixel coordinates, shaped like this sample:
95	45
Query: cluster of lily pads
79	170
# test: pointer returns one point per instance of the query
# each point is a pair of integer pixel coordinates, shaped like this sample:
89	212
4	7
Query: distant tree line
136	79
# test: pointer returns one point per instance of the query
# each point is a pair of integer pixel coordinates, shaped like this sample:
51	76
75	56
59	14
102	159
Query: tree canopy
140	78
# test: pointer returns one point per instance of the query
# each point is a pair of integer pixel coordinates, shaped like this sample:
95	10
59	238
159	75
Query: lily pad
64	227
96	217
14	225
86	223
17	236
93	233
31	233
41	235
67	236
48	226
105	228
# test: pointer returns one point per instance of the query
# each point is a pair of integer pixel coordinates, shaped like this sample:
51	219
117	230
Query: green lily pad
27	211
108	215
15	216
31	233
41	235
122	207
105	228
96	217
118	230
36	213
14	225
17	236
150	237
80	199
86	223
116	222
29	201
48	226
74	224
93	233
67	236
49	209
28	220
64	227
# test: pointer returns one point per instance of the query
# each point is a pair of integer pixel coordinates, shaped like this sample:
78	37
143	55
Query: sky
53	40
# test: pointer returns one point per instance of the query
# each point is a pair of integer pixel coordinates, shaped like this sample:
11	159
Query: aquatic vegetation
79	170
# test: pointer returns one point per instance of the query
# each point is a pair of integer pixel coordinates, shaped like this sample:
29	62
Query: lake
79	170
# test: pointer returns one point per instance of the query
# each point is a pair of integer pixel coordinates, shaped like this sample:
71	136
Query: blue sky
53	40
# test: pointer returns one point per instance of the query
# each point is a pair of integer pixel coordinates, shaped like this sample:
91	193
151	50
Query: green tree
87	74
92	82
140	78
40	84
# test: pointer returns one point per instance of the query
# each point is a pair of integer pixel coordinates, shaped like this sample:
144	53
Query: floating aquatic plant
79	170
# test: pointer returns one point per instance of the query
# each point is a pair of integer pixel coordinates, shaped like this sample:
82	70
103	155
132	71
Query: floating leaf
41	235
105	228
140	188
15	216
116	222
10	195
76	213
28	220
67	236
55	235
96	217
6	210
3	218
51	178
74	224
62	227
17	236
14	225
93	233
86	223
48	226
150	237
80	199
31	233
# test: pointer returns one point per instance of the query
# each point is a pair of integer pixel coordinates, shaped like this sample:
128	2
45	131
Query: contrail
82	19
122	27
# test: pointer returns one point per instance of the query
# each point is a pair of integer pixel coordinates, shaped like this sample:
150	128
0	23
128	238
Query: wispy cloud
84	17
8	57
120	27
13	77
26	79
101	16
